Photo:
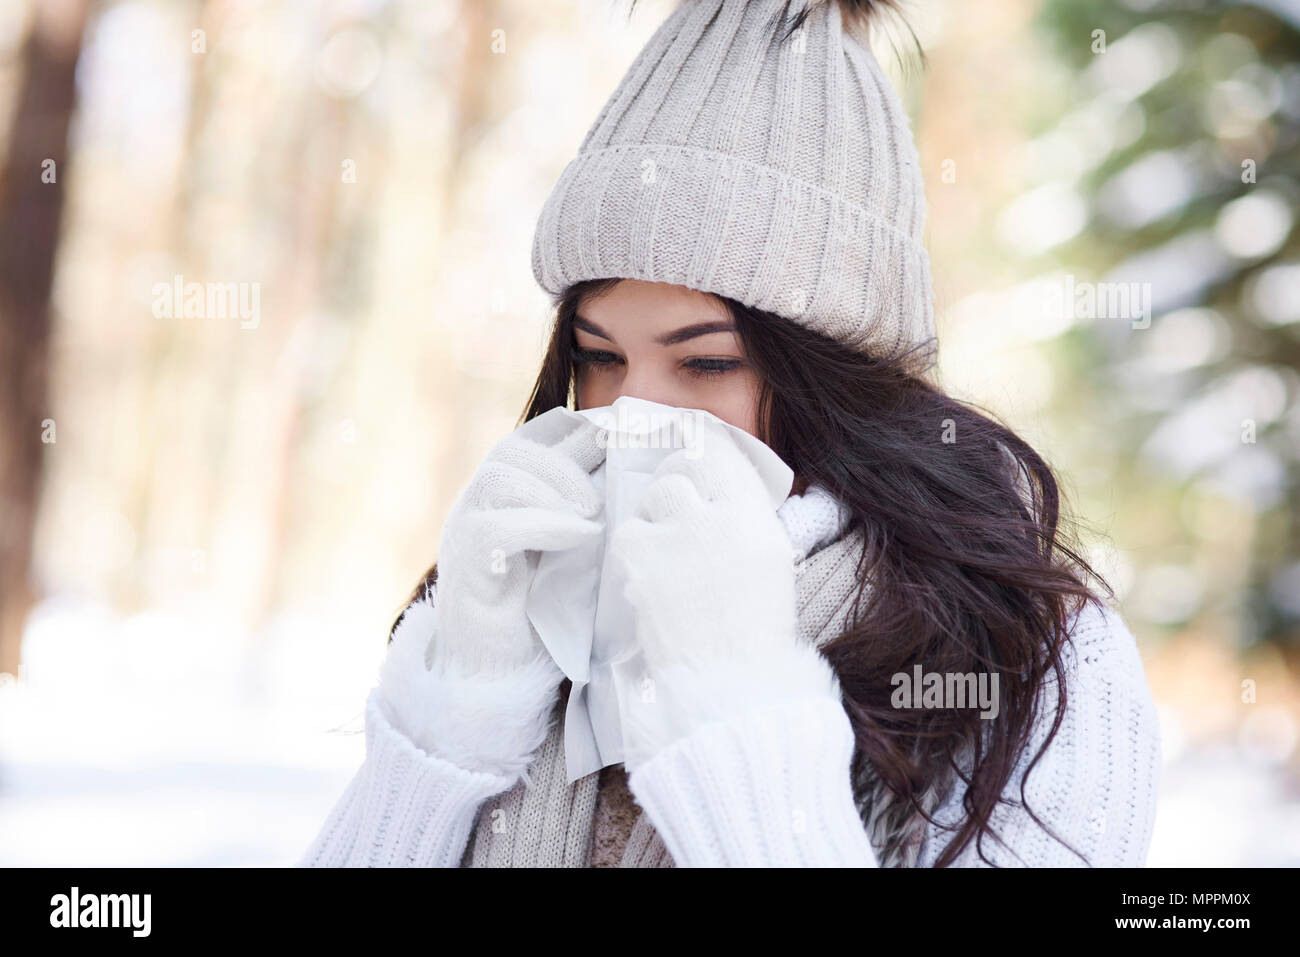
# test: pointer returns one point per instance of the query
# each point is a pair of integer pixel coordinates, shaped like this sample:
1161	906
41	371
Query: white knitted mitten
710	572
466	675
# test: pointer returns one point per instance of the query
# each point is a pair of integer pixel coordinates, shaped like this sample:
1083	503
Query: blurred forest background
207	523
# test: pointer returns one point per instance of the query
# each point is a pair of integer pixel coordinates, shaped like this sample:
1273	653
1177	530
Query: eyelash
713	369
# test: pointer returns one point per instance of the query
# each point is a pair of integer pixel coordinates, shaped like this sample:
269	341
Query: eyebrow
668	338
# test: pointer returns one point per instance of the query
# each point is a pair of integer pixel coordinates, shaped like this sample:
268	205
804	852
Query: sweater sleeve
765	789
403	807
747	770
1096	785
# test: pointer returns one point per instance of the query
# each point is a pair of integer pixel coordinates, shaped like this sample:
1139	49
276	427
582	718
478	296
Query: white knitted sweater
771	786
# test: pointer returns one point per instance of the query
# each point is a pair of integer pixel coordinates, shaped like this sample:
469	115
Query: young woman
740	233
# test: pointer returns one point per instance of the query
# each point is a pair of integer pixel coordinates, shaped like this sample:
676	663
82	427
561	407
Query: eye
698	368
594	357
712	368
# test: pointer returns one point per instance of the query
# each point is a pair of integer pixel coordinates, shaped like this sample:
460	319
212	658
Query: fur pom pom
859	17
479	723
861	13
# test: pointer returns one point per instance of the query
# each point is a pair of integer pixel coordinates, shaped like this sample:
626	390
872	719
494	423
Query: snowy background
163	740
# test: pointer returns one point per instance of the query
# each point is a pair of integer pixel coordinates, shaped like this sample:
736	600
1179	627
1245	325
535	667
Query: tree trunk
31	206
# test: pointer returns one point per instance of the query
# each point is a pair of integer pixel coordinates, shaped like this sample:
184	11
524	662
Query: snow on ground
165	739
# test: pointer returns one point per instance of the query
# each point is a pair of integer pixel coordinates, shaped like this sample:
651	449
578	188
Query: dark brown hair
968	566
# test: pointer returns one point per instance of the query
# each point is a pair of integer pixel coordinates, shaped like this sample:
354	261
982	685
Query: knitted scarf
550	824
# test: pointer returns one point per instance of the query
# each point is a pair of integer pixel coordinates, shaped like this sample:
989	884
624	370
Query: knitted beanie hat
777	172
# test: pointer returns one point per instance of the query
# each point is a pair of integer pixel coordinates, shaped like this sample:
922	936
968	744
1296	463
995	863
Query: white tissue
576	600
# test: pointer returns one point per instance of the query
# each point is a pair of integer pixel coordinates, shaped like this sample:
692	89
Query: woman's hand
710	574
527	496
735	740
466	677
710	568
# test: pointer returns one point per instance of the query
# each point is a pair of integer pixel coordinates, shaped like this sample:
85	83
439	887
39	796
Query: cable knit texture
768	788
1095	787
403	808
782	174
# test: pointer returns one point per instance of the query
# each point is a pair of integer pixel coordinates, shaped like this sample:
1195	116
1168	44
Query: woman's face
667	344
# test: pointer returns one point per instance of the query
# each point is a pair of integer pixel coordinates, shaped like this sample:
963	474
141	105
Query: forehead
634	305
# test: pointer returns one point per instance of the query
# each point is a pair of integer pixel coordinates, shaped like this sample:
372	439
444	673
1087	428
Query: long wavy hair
966	567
